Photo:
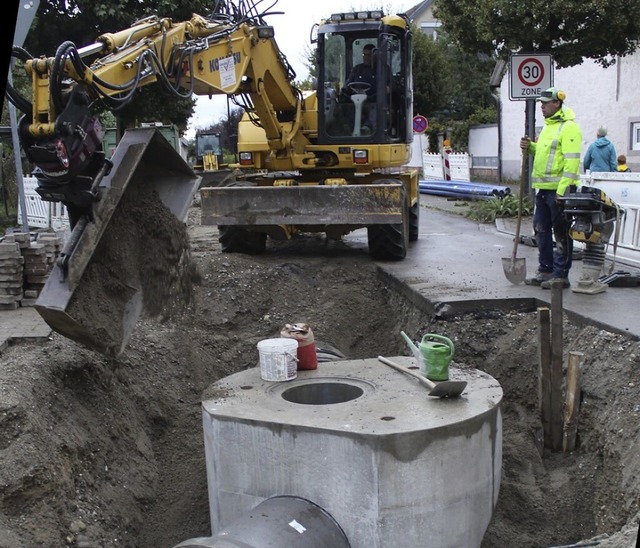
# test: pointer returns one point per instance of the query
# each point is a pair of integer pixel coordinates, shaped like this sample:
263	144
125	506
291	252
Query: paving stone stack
25	266
11	274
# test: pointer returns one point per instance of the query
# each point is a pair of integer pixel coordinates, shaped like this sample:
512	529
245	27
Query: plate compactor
592	219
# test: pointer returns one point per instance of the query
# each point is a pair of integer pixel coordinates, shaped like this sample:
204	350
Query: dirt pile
101	452
142	262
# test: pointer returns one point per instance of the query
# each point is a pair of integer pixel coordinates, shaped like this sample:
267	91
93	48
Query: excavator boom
328	160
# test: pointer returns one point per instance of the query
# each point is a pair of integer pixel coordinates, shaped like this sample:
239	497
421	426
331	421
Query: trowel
443	389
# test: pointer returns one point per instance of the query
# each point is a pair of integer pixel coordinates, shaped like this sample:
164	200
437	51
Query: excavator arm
200	56
229	53
319	162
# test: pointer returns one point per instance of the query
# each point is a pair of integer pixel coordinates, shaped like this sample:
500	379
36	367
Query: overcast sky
292	30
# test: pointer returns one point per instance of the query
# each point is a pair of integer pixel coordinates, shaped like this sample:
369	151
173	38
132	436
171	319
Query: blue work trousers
549	222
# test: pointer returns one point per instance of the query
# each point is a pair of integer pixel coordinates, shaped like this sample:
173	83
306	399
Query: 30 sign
530	75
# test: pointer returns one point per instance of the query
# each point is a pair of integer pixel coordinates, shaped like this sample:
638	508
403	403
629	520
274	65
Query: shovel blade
515	269
448	389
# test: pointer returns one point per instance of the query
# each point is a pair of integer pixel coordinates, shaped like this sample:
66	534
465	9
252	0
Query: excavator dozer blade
96	297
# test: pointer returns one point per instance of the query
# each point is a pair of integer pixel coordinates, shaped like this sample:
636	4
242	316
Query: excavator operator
364	73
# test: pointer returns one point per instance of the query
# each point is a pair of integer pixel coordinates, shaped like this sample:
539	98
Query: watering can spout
412	345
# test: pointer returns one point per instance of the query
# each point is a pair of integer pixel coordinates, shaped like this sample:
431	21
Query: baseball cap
552	94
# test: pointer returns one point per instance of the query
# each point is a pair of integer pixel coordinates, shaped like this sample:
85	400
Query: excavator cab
364	84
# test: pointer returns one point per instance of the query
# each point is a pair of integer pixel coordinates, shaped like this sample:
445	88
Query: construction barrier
41	214
432	166
453	166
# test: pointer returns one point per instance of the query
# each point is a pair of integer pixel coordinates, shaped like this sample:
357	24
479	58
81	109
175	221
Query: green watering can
434	354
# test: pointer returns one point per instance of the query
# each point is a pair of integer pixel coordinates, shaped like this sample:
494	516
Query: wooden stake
572	401
544	374
556	365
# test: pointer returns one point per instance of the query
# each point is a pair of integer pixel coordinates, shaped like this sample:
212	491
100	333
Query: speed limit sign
530	75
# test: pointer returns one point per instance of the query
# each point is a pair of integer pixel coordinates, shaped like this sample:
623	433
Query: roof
418	9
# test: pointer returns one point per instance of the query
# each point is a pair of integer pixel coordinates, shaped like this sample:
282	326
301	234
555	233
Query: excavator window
365	84
350	86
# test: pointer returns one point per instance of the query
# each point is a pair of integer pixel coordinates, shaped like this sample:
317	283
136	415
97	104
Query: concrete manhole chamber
393	466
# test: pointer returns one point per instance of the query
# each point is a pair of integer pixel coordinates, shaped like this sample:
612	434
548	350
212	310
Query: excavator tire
389	242
414	221
236	239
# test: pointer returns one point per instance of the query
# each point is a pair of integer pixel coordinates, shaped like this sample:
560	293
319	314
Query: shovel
516	269
444	389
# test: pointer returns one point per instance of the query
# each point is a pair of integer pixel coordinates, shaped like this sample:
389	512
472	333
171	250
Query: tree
431	75
450	87
569	30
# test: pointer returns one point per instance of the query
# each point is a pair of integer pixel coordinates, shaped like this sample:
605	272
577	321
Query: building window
430	28
635	136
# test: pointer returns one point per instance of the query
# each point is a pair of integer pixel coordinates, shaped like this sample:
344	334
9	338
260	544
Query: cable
14	97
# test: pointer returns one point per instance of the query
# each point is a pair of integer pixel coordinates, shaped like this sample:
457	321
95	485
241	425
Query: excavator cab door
365	83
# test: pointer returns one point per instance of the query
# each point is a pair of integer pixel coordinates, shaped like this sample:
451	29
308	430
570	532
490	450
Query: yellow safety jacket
556	161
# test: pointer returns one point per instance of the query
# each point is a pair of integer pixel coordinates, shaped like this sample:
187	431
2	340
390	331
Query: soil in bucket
278	361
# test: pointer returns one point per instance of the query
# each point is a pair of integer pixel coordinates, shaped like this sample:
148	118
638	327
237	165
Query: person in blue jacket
601	154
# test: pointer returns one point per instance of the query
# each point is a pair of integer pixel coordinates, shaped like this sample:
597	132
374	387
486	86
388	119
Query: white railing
624	190
41	214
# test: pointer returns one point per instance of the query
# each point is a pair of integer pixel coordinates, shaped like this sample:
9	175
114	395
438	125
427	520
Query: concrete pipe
278	522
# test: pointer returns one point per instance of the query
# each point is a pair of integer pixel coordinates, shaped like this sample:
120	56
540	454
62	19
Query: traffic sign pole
530	75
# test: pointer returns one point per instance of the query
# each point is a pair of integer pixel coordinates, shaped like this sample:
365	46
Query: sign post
529	76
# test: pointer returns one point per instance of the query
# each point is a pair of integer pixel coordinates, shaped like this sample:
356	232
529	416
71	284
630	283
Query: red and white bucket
301	332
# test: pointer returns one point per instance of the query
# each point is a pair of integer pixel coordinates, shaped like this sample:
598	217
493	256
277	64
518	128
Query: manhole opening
322	393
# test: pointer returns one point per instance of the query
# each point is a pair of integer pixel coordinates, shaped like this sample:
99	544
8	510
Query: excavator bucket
113	264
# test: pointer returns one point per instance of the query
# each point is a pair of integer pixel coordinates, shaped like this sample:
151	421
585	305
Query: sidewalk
456	267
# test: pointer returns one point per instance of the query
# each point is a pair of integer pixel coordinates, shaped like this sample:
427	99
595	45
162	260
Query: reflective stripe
573	176
572	155
546	179
553	150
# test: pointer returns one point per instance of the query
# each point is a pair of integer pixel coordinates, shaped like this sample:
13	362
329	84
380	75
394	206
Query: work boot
547	284
539	278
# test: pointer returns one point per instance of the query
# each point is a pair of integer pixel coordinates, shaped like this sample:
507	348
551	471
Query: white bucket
278	360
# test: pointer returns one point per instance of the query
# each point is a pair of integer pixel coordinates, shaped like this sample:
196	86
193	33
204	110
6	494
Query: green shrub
7	219
487	211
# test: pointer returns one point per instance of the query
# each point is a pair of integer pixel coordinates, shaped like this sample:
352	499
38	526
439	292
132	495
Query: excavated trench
546	499
124	463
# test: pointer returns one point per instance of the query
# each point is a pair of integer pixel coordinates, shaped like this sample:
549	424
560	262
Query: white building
608	97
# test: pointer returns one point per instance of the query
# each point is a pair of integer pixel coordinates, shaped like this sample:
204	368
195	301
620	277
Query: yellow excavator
328	161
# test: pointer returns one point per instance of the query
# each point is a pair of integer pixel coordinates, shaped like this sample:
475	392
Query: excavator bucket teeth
97	297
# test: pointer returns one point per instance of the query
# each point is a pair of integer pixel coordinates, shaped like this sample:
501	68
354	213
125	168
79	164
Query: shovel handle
398	367
523	182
